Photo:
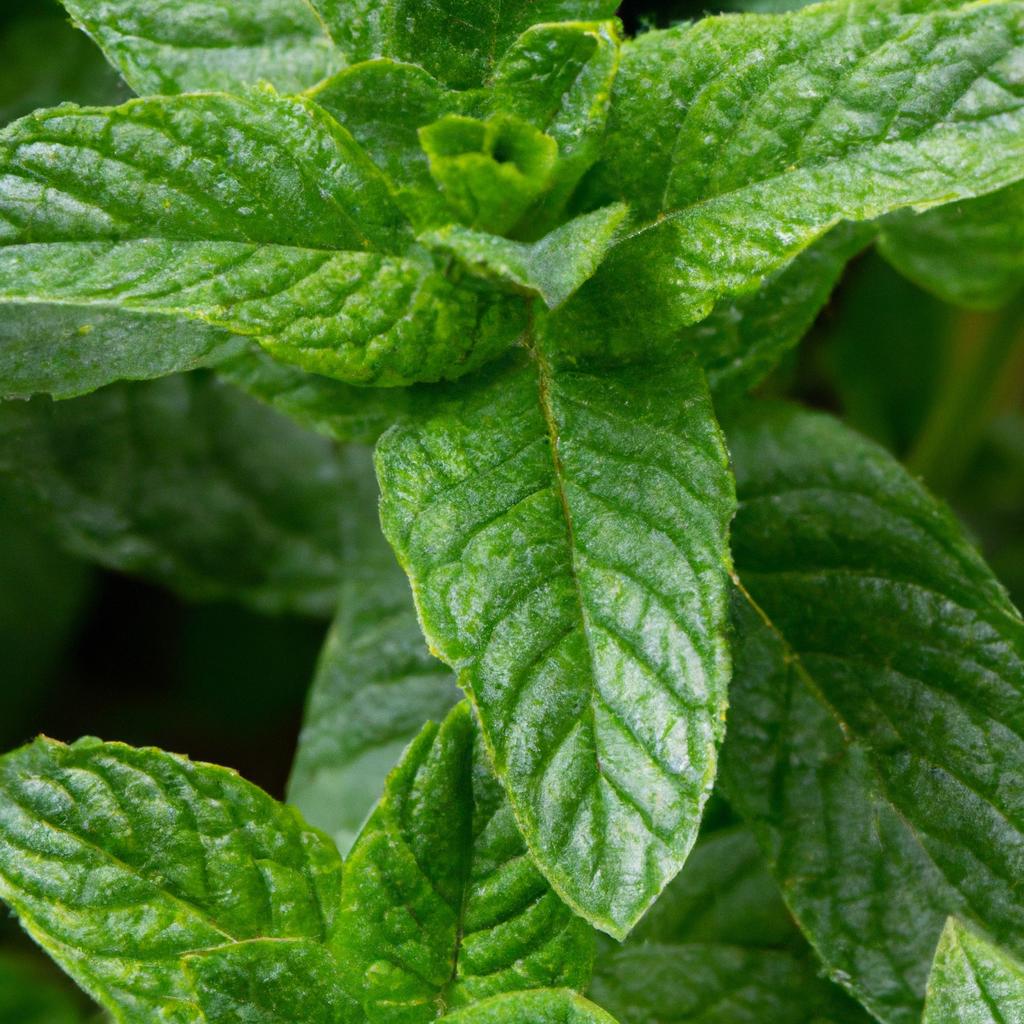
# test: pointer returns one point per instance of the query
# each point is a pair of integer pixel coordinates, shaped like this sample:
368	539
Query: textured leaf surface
360	317
566	539
718	984
328	406
969	253
188	482
118	224
120	861
551	1006
376	683
973	982
724	895
559	79
166	47
742	340
759	134
457	42
553	267
442	906
270	981
876	710
384	103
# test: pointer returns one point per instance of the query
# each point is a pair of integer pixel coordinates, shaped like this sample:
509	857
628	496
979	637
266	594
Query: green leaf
972	981
724	895
384	104
551	1006
559	79
119	225
874	737
490	172
457	42
738	142
969	254
270	981
328	406
556	78
742	340
29	996
553	267
442	906
167	48
566	539
188	482
702	983
120	862
376	683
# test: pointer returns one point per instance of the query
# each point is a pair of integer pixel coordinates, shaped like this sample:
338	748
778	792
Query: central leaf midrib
544	374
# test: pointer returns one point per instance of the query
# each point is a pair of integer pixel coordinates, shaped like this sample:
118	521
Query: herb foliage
540	267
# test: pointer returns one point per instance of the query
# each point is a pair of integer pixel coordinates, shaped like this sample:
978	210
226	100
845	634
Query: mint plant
482	291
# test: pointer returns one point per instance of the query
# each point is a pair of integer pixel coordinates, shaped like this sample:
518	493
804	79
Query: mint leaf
724	895
875	706
186	481
457	43
122	862
742	340
969	254
442	906
156	211
566	538
556	78
376	683
972	981
384	104
559	79
553	267
717	984
270	981
167	48
719	947
328	406
739	141
552	1006
491	172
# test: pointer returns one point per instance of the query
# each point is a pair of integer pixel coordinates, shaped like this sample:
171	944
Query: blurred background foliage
92	651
